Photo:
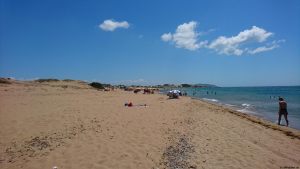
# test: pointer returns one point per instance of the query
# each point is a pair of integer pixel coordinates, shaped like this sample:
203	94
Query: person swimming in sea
194	93
282	111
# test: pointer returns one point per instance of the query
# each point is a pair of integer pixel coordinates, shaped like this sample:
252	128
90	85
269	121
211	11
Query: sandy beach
71	125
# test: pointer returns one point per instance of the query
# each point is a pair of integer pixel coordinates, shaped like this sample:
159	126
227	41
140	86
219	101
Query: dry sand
73	126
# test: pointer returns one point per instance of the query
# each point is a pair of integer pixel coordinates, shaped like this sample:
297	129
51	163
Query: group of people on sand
145	91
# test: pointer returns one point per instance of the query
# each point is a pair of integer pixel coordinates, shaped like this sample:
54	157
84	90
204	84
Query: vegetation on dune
47	80
97	85
5	81
186	85
68	80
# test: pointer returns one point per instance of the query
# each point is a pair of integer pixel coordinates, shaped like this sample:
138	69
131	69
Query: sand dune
68	124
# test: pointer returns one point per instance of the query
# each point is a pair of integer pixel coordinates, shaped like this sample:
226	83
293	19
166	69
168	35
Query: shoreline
72	125
259	101
240	110
256	119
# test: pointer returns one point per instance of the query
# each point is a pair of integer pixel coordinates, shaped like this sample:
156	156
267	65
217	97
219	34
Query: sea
258	101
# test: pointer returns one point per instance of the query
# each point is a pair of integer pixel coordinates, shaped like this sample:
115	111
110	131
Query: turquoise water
259	101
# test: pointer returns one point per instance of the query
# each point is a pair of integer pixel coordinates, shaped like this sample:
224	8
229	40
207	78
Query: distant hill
204	85
185	85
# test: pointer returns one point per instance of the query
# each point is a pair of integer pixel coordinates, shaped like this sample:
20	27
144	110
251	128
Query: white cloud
166	37
206	32
203	43
232	45
111	25
270	46
262	49
185	36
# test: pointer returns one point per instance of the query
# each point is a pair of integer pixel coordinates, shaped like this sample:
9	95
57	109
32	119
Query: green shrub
5	81
47	80
97	85
186	85
68	80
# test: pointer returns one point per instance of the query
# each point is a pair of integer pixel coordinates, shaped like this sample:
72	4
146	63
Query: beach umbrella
175	91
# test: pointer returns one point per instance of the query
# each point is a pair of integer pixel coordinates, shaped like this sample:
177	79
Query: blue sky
226	43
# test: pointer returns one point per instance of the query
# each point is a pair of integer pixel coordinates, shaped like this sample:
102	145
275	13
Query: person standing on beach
282	111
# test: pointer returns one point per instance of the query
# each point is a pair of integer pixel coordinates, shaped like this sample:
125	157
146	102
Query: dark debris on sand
177	155
44	143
